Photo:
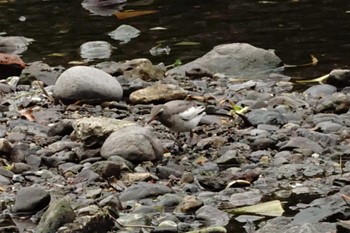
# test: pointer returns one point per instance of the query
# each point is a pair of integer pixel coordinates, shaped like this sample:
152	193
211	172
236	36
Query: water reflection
295	29
103	7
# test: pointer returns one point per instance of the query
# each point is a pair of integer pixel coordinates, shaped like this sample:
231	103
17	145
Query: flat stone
31	199
158	93
143	190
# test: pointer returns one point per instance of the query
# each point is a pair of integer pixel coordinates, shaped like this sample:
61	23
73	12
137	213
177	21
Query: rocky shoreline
78	157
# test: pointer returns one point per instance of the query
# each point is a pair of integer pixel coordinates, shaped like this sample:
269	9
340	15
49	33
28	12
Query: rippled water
295	29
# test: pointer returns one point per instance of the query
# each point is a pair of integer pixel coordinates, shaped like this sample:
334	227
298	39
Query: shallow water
295	29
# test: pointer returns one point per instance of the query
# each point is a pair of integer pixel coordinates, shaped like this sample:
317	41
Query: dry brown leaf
28	114
132	13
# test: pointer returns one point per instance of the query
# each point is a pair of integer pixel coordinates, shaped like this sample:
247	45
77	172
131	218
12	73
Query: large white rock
86	84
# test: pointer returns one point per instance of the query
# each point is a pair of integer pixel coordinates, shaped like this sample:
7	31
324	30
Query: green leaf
187	43
270	208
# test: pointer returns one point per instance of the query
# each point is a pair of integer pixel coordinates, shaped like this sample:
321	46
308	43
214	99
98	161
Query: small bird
178	115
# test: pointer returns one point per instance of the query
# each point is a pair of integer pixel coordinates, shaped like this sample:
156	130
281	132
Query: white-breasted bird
178	115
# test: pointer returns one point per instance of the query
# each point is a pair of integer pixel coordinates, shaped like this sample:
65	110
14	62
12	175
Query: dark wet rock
6	173
28	127
87	175
213	142
5	146
20	152
260	116
336	103
7	225
238	59
34	161
70	168
59	158
322	138
102	221
82	83
164	172
42	72
302	143
143	190
136	144
107	169
63	145
294	103
169	200
339	78
324	89
59	213
19	168
284	157
111	201
313	170
5	180
158	93
263	143
329	127
189	204
327	208
283	224
31	199
245	198
212	216
61	128
231	157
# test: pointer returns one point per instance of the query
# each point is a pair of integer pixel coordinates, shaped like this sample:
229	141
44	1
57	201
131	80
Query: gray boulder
237	59
31	199
86	84
133	143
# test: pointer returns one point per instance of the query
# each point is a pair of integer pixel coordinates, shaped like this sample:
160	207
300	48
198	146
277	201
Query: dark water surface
295	29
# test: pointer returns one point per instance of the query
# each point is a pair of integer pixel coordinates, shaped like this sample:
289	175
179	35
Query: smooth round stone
83	83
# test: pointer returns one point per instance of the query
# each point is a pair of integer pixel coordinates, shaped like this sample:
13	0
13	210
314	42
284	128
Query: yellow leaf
187	43
313	62
57	55
132	13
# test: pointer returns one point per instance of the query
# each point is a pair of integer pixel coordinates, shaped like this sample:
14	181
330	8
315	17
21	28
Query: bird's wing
191	112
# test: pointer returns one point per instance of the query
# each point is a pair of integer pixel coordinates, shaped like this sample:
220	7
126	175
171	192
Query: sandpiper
178	115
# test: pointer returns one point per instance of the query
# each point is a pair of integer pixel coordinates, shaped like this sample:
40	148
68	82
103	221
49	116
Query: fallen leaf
270	208
313	62
27	113
187	43
132	13
158	29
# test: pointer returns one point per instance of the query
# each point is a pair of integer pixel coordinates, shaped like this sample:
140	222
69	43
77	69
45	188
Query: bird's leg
177	137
